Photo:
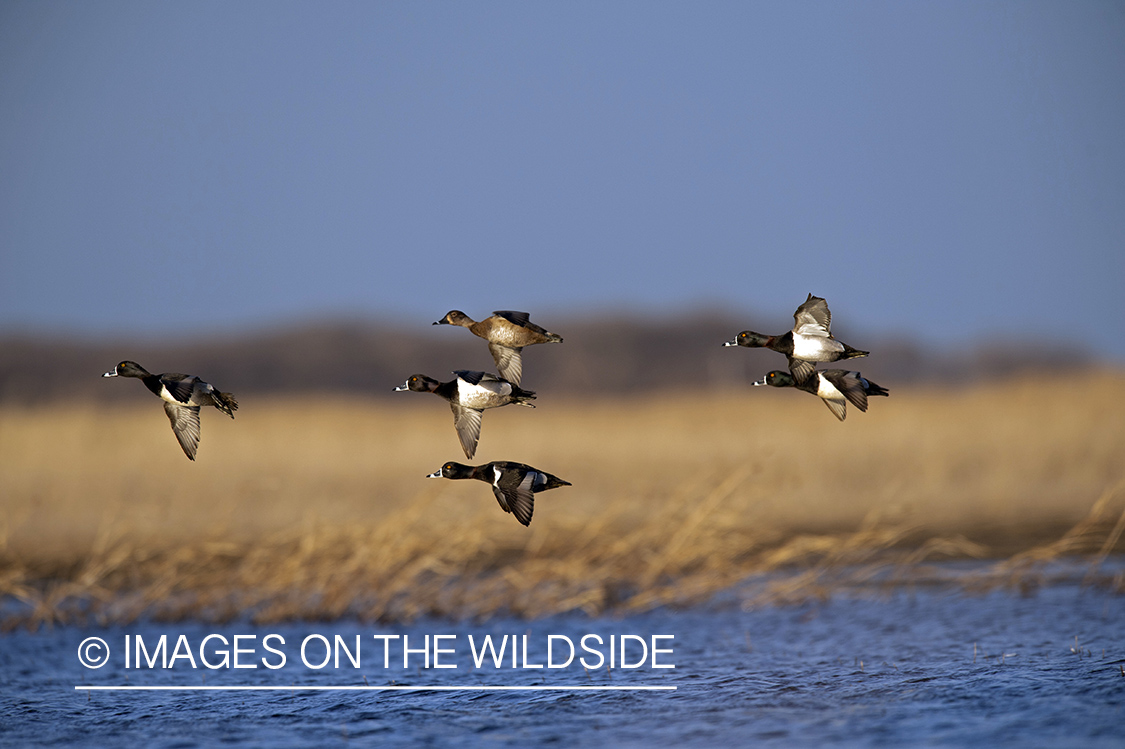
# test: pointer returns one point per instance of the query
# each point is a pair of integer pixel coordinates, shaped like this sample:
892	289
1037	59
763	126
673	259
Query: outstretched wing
850	384
813	318
513	492
467	423
181	387
801	370
521	319
185	423
838	408
515	318
509	363
484	379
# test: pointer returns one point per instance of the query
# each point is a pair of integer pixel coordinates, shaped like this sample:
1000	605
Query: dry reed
318	510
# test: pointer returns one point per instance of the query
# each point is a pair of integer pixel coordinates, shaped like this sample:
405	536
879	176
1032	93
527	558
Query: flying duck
836	387
468	395
507	332
182	395
514	484
810	340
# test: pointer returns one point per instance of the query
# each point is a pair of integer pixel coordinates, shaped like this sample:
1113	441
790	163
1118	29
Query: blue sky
952	171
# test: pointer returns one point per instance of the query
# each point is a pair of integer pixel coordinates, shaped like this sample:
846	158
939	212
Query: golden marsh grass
317	507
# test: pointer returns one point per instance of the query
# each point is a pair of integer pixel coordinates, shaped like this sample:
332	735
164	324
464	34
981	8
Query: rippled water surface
849	672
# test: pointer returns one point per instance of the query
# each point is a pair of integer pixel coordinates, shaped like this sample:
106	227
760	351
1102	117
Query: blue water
846	673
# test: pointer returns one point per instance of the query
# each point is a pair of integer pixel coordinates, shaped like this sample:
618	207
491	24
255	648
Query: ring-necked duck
507	332
468	395
836	387
182	395
514	484
809	341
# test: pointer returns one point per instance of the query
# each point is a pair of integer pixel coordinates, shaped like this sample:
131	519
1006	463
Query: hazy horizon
648	319
951	173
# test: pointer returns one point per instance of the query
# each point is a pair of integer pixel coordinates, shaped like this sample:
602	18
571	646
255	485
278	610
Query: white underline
371	689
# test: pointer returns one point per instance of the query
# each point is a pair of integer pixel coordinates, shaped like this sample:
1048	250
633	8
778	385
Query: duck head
452	471
419	383
455	317
127	369
749	339
778	379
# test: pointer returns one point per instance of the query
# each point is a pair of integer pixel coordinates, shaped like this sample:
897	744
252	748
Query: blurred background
281	197
311	186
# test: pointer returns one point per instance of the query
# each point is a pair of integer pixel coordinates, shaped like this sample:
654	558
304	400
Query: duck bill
760	382
403	386
731	342
435	475
111	373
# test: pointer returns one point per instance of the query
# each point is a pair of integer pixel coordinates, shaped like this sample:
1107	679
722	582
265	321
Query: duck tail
225	402
553	338
554	482
852	353
521	397
873	389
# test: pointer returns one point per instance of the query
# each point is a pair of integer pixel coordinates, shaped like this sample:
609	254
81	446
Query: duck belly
485	395
816	348
506	334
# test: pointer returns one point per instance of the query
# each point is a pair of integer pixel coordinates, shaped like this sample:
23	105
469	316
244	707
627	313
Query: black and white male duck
469	395
836	387
507	332
514	484
809	341
182	395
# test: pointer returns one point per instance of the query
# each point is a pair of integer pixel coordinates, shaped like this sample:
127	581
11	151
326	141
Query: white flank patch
827	390
481	396
168	396
815	348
